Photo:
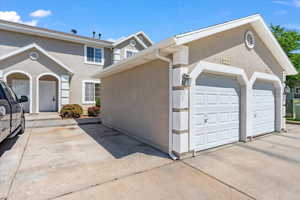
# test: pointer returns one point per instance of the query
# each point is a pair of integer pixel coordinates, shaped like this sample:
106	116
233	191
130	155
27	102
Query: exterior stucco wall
230	45
137	101
21	62
71	54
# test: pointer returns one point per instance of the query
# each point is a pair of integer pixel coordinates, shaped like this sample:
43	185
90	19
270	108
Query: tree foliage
290	43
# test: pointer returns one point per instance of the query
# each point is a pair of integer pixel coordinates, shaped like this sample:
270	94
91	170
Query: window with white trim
130	52
90	91
94	55
297	90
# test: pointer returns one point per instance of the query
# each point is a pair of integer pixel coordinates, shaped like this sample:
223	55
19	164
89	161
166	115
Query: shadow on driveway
118	144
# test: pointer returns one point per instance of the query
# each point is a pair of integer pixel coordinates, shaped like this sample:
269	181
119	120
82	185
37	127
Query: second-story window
94	55
130	52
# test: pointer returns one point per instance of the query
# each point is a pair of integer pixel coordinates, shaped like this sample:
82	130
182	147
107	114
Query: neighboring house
200	89
54	68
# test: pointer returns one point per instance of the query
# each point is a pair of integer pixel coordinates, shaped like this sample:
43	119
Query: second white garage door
215	111
263	108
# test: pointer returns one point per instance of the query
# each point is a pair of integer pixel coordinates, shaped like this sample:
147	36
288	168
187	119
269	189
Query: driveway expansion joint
19	164
220	181
111	180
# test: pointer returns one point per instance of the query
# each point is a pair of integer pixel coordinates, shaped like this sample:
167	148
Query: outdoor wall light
186	80
286	90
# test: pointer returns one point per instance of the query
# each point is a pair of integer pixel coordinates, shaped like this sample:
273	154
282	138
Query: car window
2	95
9	94
13	95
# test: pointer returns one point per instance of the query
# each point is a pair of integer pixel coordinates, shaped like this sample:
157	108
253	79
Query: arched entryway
21	84
48	92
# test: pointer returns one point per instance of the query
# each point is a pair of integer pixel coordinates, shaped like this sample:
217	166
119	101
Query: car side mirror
23	99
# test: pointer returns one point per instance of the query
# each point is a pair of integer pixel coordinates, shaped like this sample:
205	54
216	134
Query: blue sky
158	18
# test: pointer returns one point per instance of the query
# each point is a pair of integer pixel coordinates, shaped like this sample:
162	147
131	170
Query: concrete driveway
94	162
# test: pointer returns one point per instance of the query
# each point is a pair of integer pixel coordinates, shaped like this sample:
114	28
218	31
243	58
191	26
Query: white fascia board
138	59
201	33
34	45
277	51
145	36
260	27
50	34
140	41
135	37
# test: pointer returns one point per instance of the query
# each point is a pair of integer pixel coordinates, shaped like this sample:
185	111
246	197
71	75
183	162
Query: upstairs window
130	52
94	55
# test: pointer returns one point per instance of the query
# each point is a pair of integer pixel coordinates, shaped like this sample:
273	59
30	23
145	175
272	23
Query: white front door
215	112
47	96
22	88
263	108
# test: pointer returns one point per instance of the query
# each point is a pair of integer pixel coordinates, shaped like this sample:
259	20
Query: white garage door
215	112
263	108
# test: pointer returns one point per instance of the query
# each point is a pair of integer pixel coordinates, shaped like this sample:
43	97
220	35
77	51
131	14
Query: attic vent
132	43
249	39
34	55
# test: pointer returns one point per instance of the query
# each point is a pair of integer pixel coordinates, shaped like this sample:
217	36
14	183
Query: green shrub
93	111
98	102
71	111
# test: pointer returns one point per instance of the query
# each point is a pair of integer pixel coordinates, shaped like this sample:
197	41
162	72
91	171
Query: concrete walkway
52	119
94	162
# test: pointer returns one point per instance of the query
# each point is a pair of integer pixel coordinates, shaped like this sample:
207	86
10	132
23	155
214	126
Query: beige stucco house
54	68
200	89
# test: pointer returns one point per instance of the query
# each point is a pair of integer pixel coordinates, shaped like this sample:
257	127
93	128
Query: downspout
166	59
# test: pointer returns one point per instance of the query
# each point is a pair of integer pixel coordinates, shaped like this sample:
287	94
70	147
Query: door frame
30	84
223	70
58	90
259	76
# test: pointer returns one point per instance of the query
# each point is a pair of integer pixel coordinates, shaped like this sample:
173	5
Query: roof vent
99	36
94	33
74	31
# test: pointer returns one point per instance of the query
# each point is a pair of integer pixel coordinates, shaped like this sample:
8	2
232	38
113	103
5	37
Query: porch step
57	121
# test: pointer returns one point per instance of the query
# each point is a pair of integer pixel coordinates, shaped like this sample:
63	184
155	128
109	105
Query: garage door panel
216	108
263	108
215	111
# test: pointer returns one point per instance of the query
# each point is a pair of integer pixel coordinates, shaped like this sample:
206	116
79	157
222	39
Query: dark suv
12	119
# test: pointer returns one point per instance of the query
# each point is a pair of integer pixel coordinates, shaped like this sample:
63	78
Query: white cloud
40	13
10	16
33	22
115	40
281	12
282	2
297	3
13	16
294	3
292	26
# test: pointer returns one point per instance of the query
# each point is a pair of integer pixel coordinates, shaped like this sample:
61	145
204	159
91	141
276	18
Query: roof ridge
50	31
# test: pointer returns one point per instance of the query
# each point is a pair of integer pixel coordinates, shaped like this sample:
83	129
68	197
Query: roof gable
136	36
34	45
172	44
258	25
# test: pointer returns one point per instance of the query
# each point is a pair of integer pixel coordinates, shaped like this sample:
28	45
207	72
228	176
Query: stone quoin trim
180	131
179	66
180	109
180	87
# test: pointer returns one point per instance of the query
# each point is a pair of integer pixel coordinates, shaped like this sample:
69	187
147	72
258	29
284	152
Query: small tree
290	43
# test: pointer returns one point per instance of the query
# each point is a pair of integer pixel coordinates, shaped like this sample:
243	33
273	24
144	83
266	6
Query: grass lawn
293	120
